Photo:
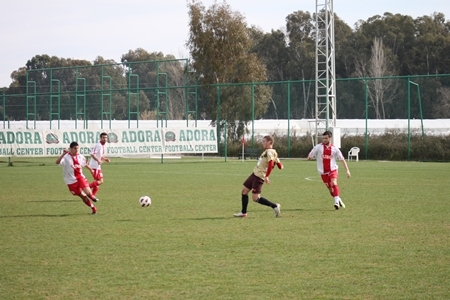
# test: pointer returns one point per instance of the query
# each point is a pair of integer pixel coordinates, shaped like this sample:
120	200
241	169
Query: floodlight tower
325	71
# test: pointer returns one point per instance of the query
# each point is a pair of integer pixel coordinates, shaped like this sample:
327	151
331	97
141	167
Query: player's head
74	148
267	141
326	137
103	138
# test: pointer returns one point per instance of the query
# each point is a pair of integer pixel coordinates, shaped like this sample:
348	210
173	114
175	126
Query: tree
397	32
300	29
53	79
381	91
431	37
344	47
272	50
155	76
442	107
220	46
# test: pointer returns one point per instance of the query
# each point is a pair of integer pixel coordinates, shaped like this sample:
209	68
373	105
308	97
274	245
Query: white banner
40	143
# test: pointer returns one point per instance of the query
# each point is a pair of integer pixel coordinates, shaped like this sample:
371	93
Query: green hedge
388	146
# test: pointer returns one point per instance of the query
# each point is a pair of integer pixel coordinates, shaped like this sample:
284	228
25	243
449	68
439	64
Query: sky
85	29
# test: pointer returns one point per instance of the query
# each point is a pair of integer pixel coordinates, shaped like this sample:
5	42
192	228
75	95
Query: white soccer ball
145	201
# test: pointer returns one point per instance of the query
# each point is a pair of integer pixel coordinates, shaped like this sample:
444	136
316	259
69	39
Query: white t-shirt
98	151
326	157
72	167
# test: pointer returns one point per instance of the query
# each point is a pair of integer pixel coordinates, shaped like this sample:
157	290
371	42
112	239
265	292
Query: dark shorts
254	183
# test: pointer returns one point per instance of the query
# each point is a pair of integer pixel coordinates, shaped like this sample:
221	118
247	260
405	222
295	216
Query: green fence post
253	114
165	93
33	98
81	95
130	76
226	141
218	117
289	116
367	116
188	98
409	116
4	110
108	96
420	106
56	95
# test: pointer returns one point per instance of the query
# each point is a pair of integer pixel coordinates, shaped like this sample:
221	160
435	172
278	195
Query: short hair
328	133
268	138
103	134
73	144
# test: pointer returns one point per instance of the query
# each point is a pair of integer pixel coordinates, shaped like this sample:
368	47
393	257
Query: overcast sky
85	29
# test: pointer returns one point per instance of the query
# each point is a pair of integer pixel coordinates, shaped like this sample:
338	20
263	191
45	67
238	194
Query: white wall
261	127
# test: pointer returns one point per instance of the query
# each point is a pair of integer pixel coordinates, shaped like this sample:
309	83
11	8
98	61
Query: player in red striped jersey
97	158
327	154
72	162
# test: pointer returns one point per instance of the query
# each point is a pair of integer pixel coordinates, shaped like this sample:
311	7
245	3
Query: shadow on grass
50	200
41	216
210	218
308	209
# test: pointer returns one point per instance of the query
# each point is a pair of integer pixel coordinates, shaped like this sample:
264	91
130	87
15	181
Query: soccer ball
145	201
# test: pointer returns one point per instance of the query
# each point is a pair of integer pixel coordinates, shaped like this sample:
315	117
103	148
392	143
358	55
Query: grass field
391	242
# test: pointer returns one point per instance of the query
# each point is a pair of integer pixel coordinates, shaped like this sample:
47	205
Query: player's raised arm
58	160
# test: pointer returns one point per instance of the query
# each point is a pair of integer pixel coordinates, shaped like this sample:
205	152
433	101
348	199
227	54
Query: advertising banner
123	142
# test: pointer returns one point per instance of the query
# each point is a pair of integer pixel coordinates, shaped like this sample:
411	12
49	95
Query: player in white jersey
72	162
254	183
326	155
97	157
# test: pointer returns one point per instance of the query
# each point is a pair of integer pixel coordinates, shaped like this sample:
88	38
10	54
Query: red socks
335	190
94	187
87	202
94	190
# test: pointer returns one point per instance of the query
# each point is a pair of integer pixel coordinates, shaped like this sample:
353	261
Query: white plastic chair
354	152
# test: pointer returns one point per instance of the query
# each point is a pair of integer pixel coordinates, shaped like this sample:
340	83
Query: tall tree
220	46
300	29
381	91
431	36
156	73
397	32
442	107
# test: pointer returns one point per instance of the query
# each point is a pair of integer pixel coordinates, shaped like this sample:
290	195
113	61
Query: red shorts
254	183
326	178
97	174
77	187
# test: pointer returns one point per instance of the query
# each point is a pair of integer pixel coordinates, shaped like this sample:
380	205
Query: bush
392	145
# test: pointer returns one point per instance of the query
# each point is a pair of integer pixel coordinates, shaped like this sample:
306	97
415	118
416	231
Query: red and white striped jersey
72	167
326	157
99	152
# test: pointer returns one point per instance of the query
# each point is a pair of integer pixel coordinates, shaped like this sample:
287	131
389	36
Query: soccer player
254	183
97	157
327	154
72	162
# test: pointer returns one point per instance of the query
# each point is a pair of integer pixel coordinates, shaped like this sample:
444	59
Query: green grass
391	242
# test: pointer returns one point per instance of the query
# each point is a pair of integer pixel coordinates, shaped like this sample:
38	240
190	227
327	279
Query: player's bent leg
90	195
255	197
88	202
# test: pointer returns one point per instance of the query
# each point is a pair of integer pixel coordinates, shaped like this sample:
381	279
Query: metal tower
325	68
